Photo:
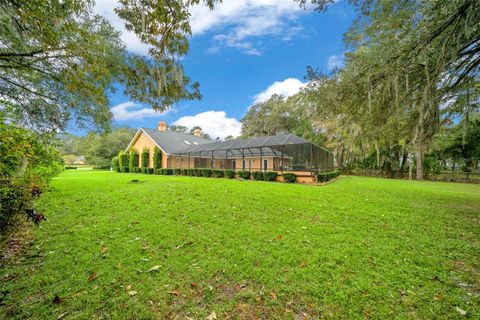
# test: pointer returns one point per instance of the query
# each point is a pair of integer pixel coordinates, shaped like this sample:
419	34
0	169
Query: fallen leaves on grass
62	315
104	250
461	311
273	295
132	293
154	268
92	276
184	245
212	316
175	292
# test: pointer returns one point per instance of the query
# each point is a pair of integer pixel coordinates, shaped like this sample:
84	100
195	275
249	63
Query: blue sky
242	52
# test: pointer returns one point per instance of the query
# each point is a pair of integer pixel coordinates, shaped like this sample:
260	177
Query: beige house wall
144	142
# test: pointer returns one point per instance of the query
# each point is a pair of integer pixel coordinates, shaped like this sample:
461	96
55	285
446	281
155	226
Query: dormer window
187	142
195	143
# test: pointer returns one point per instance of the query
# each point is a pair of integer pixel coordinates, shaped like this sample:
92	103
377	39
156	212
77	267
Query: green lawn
356	248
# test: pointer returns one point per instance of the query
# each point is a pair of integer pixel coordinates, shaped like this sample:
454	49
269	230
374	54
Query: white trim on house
135	137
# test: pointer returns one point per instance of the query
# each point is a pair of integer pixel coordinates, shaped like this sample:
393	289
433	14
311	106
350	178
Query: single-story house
281	153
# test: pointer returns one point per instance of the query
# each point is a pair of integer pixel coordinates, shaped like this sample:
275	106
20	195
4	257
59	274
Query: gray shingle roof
267	141
171	141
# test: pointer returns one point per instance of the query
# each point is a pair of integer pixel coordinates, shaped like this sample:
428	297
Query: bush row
229	174
70	168
326	176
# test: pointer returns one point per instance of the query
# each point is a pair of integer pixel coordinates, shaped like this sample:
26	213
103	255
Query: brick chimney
197	132
162	126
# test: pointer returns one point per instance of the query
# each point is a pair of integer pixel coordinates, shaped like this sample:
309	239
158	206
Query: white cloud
215	123
335	62
287	88
246	19
242	20
132	111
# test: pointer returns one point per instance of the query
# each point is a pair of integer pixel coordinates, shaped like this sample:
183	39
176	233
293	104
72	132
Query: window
249	165
187	142
265	164
243	164
195	143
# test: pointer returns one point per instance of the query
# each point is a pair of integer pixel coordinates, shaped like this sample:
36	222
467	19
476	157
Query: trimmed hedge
177	172
157	158
125	169
122	160
218	173
290	177
133	160
207	172
257	175
244	174
115	164
327	176
270	176
229	174
70	168
106	167
145	157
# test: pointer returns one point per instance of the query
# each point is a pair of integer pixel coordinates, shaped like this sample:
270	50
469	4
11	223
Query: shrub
244	174
229	174
70	168
158	171
105	167
157	158
218	173
290	177
133	160
257	175
115	164
190	172
150	170
327	176
27	163
168	171
125	169
177	172
184	172
122	160
269	176
145	157
207	172
198	172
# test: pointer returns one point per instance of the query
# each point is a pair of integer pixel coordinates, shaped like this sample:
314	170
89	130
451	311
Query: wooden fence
447	176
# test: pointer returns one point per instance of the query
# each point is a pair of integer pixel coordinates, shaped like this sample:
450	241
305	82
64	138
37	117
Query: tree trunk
419	155
404	160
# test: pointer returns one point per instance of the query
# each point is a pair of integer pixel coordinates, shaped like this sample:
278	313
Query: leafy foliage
327	176
244	174
289	177
269	175
133	160
157	158
145	158
27	162
257	175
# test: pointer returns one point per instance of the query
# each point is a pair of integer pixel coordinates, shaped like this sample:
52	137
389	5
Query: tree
59	61
181	129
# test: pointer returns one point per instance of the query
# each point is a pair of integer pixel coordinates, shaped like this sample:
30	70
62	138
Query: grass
357	248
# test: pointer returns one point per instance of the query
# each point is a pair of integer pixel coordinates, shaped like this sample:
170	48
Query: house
285	152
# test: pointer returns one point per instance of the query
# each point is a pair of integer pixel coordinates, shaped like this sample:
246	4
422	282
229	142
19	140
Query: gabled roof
169	141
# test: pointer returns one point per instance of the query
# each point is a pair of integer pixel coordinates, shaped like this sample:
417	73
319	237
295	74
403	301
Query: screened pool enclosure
285	152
